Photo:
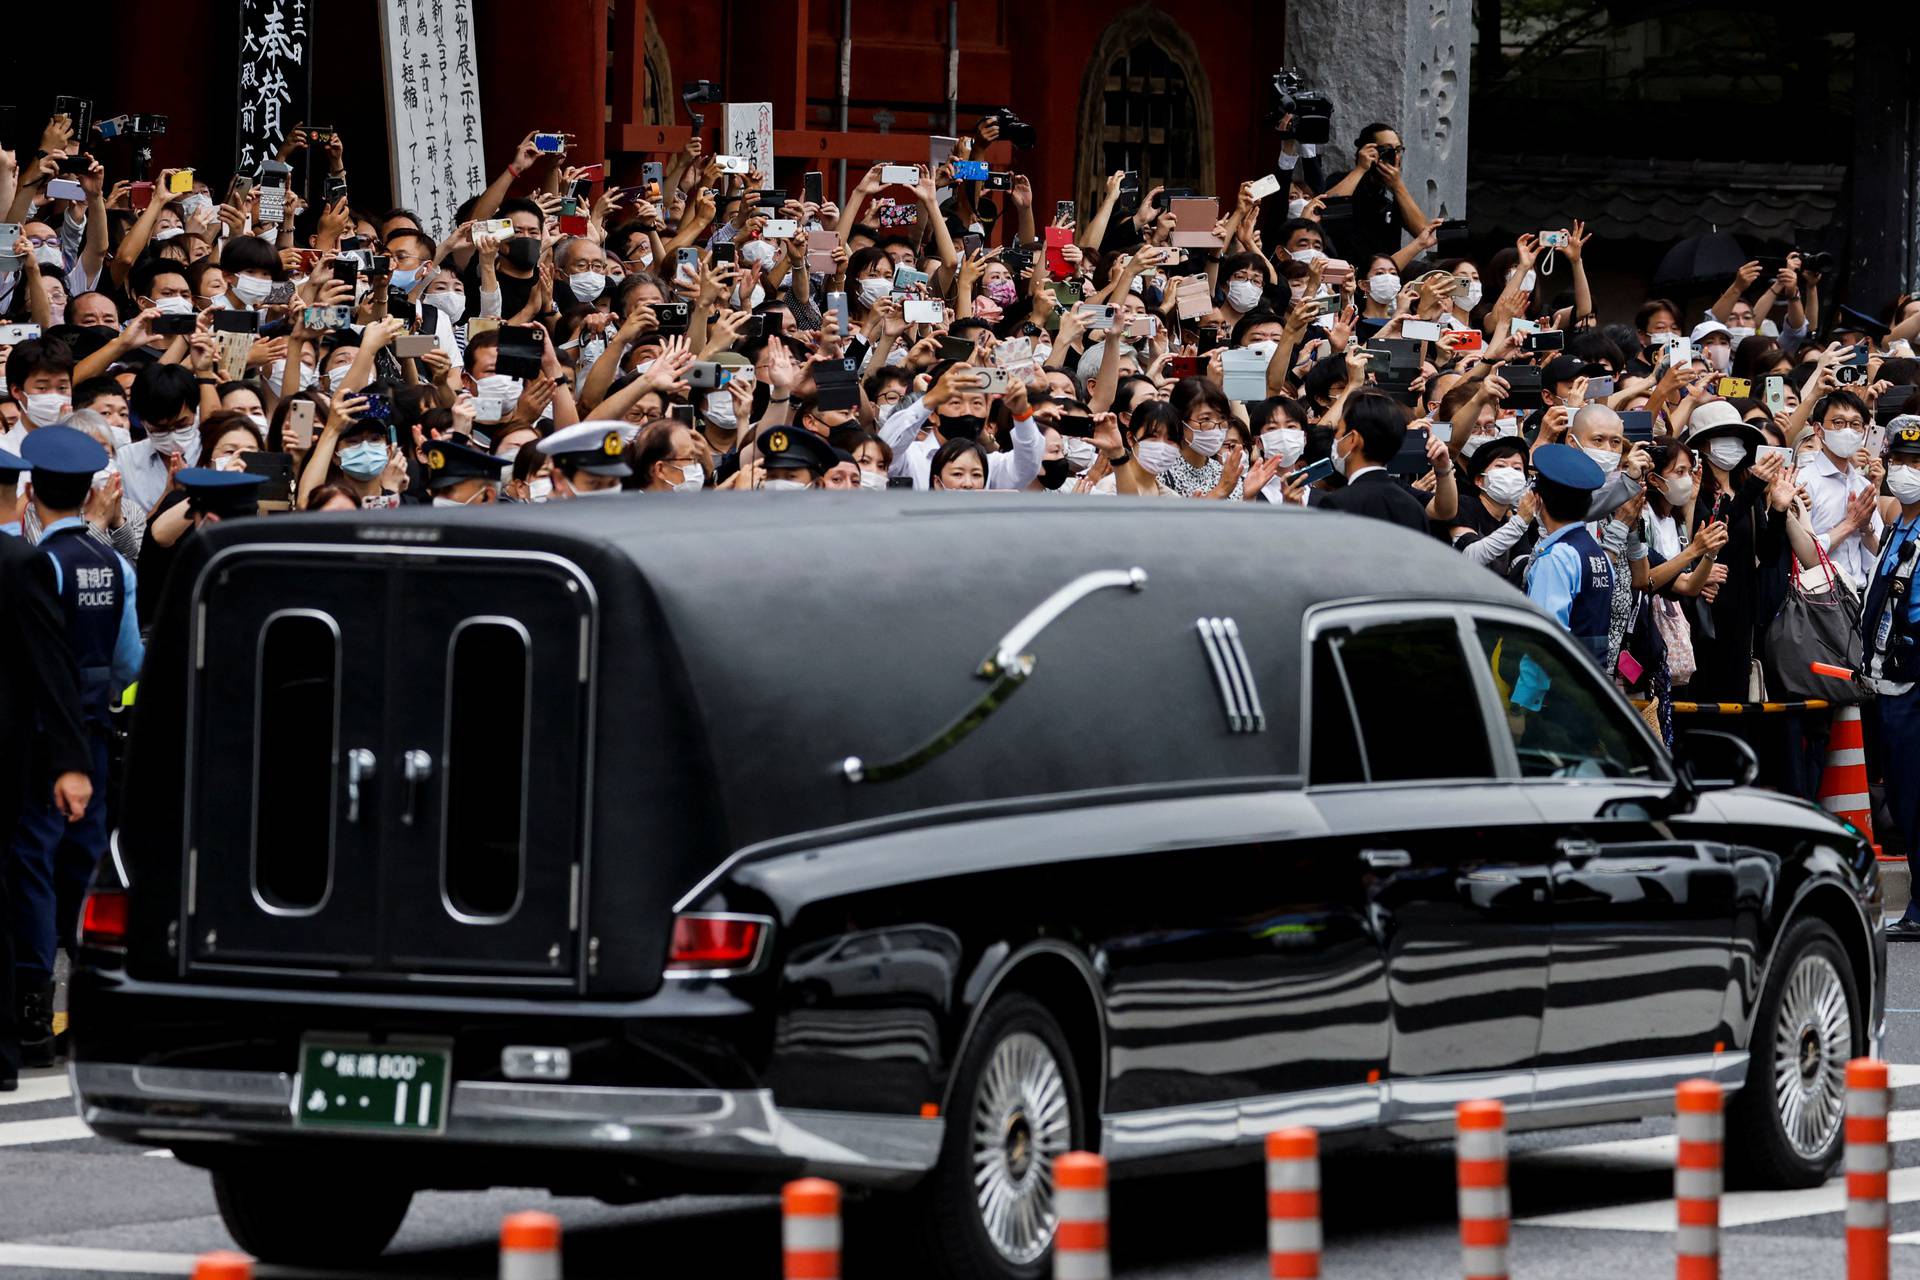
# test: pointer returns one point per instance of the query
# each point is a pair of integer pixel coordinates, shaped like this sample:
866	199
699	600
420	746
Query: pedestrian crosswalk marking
1737	1208
1658	1152
23	1133
35	1089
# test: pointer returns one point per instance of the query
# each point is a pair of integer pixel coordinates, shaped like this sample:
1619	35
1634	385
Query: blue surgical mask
364	461
404	279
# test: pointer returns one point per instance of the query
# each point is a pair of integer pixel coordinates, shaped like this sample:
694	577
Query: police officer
588	459
1890	625
53	857
794	458
12	510
459	475
1570	575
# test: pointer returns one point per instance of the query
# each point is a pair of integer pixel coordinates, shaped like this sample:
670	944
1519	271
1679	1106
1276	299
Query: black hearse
665	845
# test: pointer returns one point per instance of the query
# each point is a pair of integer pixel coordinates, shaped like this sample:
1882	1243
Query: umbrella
1701	260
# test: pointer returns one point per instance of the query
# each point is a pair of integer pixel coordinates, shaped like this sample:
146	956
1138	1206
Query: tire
1787	1124
1016	1058
324	1216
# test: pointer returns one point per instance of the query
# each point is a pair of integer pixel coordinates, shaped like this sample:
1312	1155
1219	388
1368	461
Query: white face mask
1472	445
1903	482
178	442
48	255
719	410
1844	441
46	409
588	285
1472	297
1341	461
1308	256
872	480
1296	207
757	252
1383	288
1607	459
175	306
1727	454
1157	455
1678	489
278	370
1207	443
693	478
1284	443
252	290
438	501
103	478
168	233
1506	426
498	386
872	289
450	304
539	490
118	437
782	485
611	491
1243	295
1080	452
1504	484
1739	335
259	420
1719	355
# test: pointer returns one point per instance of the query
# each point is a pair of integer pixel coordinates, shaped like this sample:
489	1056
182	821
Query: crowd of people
1663	483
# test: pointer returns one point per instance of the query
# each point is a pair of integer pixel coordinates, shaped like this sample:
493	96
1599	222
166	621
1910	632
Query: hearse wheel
1787	1123
325	1213
1017	1106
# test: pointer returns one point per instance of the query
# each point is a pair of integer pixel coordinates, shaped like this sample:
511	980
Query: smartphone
653	173
1064	209
1144	326
1776	451
708	375
1773	393
1598	389
837	303
734	164
780	229
1546	340
903	175
12	335
686	263
312	317
956	349
141	194
1553	239
905	278
811	186
998	181
333	190
1328	305
969	170
9	236
1183	366
991	381
1264	187
65	189
1313	472
1468	340
1095	315
346	270
820	247
1732	387
180	183
725	252
924	311
1057	240
1638	424
550	144
297	429
229	321
410	346
1420	330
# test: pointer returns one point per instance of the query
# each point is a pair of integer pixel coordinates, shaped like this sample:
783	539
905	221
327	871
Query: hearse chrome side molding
1233	673
1006	668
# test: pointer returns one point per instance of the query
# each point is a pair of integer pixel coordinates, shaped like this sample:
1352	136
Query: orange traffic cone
1843	784
223	1264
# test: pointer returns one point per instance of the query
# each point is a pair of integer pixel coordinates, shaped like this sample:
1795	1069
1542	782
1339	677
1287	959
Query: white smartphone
1264	187
991	381
733	164
65	189
924	311
780	229
904	175
1420	330
1776	450
12	335
1680	350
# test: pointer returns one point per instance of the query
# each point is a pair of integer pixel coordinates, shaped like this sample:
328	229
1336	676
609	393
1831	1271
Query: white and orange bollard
1867	1169
810	1229
1697	1177
223	1264
1485	1210
530	1247
1293	1204
1080	1205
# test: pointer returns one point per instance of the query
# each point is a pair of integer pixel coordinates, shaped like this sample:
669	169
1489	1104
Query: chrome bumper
716	1128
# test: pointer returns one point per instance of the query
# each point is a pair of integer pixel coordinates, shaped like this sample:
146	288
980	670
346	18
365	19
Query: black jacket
39	691
1379	495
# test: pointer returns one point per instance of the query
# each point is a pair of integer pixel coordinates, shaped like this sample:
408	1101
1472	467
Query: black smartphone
681	413
521	352
1076	425
1638	424
1546	340
347	271
726	251
1313	472
756	327
1411	461
173	326
952	348
401	307
236	321
1064	209
812	186
79	114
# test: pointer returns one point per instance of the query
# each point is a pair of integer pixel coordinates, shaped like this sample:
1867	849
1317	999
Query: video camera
1014	129
699	91
1311	109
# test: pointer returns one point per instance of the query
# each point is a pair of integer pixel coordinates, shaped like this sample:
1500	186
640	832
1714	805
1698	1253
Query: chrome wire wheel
1813	1037
1022	1122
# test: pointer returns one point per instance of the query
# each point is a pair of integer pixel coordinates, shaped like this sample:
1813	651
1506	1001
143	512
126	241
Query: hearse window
1335	750
1562	725
1412	696
486	767
298	709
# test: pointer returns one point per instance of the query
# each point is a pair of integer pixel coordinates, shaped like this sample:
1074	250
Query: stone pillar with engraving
1403	63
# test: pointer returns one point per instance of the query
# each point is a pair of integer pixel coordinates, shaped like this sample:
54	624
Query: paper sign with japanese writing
748	129
276	72
433	107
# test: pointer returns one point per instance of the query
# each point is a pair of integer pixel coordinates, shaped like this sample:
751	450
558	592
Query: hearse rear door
391	763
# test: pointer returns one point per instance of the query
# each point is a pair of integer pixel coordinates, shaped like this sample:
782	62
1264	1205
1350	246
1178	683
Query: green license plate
392	1089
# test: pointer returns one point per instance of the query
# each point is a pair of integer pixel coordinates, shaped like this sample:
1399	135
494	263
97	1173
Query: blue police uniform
12	466
1890	627
94	585
1570	575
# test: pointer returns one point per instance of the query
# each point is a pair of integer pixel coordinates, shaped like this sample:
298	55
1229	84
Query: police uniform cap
11	465
1853	320
63	451
597	448
790	447
1491	451
1568	467
1903	434
1562	368
1719	418
449	462
221	493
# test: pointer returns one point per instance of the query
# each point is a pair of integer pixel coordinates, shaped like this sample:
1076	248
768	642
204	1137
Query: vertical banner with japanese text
433	107
276	77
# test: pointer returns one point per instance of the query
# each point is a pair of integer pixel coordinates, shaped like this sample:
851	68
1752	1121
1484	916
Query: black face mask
523	253
963	426
1053	472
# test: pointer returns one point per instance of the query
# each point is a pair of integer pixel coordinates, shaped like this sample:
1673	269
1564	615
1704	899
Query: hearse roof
805	629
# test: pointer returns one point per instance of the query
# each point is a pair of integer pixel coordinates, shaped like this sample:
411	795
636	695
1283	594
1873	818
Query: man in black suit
1372	428
40	723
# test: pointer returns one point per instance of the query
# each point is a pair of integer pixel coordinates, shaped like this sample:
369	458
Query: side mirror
1712	761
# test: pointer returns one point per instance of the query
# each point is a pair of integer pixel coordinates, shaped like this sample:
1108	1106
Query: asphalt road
1586	1202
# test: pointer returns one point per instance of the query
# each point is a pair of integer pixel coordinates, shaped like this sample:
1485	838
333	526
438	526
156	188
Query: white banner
433	107
748	130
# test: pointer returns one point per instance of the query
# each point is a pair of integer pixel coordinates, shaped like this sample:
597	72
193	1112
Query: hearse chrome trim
1007	667
742	1127
1165	1131
1232	673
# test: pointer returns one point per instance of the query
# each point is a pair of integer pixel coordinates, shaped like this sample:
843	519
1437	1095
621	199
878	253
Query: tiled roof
1657	200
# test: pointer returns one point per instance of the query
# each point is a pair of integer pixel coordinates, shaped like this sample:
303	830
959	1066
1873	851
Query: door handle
418	767
360	764
1578	850
1386	859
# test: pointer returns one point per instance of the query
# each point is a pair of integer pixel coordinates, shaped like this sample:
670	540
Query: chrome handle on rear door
418	766
359	767
1386	859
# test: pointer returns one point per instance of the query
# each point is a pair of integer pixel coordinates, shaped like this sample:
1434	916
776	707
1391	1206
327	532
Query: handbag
1815	624
1670	620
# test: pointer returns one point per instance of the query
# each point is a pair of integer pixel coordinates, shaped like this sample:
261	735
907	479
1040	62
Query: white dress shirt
1013	469
1828	489
143	471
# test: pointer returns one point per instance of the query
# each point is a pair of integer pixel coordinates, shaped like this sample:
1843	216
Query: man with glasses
1840	493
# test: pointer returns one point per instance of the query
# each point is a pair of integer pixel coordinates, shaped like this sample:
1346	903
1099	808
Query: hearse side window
1412	696
298	711
1562	725
486	767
